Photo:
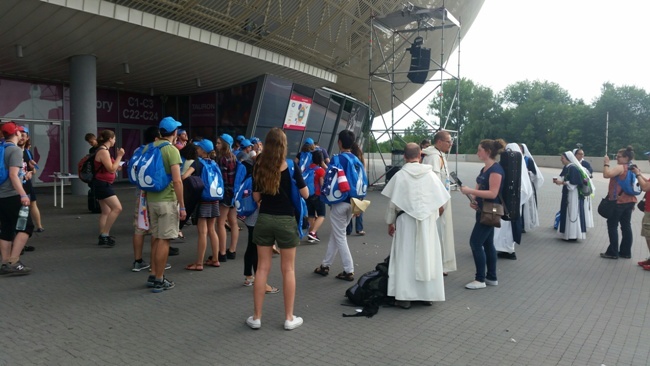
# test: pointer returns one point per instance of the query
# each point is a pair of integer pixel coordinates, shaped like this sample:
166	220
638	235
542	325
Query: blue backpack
308	176
131	172
330	193
630	184
240	176
149	169
305	160
355	172
213	187
299	203
243	201
4	170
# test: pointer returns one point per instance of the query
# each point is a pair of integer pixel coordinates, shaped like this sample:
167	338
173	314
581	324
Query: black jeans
623	215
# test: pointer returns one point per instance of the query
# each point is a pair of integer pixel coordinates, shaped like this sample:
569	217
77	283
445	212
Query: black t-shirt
280	204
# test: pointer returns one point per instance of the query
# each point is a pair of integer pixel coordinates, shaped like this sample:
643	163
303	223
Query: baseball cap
11	128
25	129
254	140
205	144
168	124
180	131
241	138
245	143
309	141
227	138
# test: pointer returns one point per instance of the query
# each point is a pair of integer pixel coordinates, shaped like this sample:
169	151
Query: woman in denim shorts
276	223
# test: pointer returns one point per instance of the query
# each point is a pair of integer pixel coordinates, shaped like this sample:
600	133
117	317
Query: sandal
249	281
180	235
322	270
275	250
361	233
194	267
212	263
345	276
273	290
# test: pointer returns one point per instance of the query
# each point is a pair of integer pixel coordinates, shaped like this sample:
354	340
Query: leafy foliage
540	114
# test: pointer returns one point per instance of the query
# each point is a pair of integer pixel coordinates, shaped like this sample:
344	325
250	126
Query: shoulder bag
491	213
606	207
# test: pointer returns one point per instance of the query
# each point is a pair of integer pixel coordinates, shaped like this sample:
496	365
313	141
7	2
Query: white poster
297	113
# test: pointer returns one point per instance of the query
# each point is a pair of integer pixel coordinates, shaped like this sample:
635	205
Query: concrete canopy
191	46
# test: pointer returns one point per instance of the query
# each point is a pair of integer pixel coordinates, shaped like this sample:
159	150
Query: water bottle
22	218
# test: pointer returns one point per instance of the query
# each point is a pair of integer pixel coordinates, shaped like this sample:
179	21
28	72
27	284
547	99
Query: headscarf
574	152
538	180
584	172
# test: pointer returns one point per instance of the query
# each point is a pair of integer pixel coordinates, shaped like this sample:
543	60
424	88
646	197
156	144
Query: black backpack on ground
511	189
371	290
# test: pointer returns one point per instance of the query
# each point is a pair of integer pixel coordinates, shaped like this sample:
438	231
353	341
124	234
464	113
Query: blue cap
245	143
168	124
205	144
227	138
241	138
181	131
309	141
254	140
26	129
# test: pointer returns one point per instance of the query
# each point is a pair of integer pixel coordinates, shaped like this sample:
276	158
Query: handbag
641	204
606	208
491	214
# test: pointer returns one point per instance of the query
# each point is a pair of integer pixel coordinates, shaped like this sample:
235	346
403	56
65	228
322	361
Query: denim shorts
280	229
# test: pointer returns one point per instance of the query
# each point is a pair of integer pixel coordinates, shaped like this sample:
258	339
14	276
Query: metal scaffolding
391	36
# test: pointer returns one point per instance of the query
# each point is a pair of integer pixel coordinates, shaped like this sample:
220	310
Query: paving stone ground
558	304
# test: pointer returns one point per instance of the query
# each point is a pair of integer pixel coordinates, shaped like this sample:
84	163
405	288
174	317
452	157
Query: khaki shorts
645	225
164	220
270	229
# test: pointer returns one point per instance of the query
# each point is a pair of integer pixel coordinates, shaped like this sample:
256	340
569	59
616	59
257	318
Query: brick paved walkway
559	304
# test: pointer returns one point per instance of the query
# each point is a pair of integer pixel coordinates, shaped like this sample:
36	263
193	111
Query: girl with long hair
227	162
276	223
488	186
105	170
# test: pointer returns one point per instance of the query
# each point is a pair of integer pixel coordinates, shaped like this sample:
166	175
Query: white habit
503	238
531	214
415	270
438	161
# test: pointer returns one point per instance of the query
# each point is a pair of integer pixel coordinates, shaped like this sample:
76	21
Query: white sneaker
475	285
254	323
293	324
491	283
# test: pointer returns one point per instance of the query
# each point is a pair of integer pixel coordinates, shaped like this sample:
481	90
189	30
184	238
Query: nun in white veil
530	211
509	233
572	211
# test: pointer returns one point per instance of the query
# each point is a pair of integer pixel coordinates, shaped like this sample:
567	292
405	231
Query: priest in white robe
416	195
507	235
436	156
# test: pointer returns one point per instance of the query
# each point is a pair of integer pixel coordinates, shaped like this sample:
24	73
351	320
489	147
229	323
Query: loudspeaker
420	63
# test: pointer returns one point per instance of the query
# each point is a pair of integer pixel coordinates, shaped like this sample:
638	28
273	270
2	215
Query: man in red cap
12	198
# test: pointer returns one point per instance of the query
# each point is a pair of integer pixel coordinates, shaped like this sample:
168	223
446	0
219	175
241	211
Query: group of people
418	215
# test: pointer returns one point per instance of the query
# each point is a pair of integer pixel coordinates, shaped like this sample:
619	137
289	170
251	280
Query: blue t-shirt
483	182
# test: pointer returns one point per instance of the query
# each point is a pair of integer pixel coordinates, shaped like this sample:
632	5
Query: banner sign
297	112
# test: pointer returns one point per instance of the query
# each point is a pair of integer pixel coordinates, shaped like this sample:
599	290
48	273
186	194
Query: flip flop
273	290
194	267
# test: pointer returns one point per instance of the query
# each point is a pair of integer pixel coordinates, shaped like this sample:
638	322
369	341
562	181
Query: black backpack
511	189
371	290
